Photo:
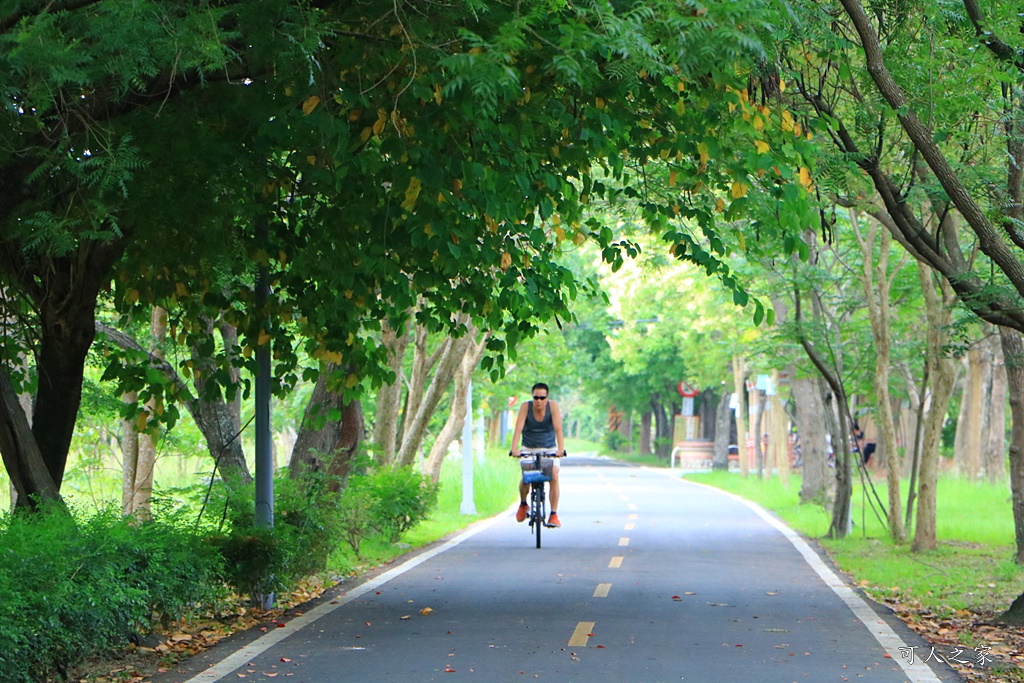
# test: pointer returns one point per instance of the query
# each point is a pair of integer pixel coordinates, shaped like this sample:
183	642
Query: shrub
71	587
402	499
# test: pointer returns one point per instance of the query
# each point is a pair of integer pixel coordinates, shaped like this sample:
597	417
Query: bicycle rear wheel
538	510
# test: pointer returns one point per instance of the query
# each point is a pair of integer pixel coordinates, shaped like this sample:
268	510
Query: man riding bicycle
539	424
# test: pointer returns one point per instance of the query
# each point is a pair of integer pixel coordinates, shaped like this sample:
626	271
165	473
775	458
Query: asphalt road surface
650	579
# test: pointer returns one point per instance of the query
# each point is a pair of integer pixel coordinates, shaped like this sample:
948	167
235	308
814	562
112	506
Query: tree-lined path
650	579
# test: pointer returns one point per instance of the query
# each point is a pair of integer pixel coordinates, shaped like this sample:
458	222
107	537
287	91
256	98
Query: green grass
972	569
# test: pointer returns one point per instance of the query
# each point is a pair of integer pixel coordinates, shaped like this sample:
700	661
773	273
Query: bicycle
538	474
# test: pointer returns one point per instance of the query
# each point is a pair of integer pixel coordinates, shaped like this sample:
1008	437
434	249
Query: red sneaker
553	520
521	513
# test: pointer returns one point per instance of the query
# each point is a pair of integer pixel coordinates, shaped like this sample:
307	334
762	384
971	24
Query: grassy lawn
972	569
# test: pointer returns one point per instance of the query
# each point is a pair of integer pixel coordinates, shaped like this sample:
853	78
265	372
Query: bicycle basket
547	465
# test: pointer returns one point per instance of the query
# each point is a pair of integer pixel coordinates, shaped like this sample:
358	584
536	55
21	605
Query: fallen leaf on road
286	660
427	610
406	618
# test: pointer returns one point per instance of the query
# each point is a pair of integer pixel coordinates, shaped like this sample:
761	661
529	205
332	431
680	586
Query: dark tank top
538	433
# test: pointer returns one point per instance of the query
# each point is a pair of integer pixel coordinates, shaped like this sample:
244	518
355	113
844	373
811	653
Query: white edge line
263	643
882	632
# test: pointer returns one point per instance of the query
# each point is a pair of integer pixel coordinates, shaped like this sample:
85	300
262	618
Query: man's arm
518	433
556	421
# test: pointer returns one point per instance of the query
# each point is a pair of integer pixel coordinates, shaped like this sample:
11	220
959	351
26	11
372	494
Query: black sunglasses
540	398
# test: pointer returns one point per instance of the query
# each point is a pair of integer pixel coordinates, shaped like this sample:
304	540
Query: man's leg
554	490
521	512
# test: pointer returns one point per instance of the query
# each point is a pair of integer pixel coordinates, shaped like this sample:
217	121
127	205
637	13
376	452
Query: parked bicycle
537	465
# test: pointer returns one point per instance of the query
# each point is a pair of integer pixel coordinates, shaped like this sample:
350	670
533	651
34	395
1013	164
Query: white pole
468	507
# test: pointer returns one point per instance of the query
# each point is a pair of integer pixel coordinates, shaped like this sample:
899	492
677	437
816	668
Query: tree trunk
330	433
457	410
415	423
810	425
129	457
145	464
995	449
723	417
64	292
778	429
22	459
877	282
389	396
740	387
762	400
942	375
1013	353
645	432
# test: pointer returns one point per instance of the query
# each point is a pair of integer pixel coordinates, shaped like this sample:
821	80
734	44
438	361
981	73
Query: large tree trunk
810	426
877	282
457	410
331	431
942	376
22	459
778	429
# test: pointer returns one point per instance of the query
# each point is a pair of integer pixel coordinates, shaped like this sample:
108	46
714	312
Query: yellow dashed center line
634	516
582	634
624	540
616	562
630	526
602	590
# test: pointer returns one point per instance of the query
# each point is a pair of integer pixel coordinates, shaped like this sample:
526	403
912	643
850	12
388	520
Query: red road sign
686	390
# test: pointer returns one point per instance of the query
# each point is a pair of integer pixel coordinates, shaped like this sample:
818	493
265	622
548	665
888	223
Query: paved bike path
651	579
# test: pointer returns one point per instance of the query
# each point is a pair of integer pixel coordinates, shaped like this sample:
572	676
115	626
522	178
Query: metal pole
468	507
264	455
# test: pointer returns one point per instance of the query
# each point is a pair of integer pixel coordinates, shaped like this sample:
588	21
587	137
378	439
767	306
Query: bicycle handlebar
546	452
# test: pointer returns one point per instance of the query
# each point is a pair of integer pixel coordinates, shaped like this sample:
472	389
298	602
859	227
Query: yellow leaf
412	193
141	420
741	238
787	121
702	149
437	94
797	130
526	96
365	135
288	91
720	205
355	114
556	151
309	105
762	146
782	85
132	296
599	103
426	610
506	261
672	178
263	338
351	380
180	289
805	178
579	238
382	119
758	123
680	86
311	160
428	231
739	189
559	233
456	186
